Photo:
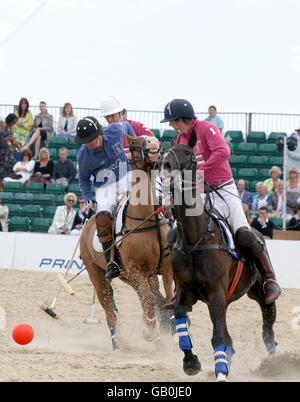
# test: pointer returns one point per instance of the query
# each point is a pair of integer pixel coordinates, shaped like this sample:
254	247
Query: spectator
293	157
80	218
64	216
272	183
3	217
276	201
43	168
23	127
294	223
66	126
11	141
246	211
7	160
64	171
293	180
214	118
43	129
245	196
263	224
260	199
22	169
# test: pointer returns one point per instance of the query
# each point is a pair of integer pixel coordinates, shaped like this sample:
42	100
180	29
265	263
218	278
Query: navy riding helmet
178	109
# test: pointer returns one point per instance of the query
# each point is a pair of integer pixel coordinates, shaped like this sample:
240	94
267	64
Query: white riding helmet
110	105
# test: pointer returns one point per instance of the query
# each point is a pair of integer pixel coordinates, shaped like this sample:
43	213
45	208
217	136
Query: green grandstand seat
275	161
166	145
74	188
40	225
247	174
14	209
246	148
234	172
72	154
19	224
72	144
234	136
273	136
57	142
156	132
13	187
23	198
59	199
43	199
34	187
259	137
268	150
251	186
53	154
263	174
55	188
49	211
6	197
168	135
258	162
31	211
238	161
277	223
233	147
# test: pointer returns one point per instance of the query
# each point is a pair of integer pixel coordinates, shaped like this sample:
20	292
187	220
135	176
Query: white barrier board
51	253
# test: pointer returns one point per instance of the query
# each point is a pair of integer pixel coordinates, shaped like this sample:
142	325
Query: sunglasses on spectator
69	200
81	202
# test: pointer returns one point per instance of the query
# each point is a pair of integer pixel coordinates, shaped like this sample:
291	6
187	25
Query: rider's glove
91	206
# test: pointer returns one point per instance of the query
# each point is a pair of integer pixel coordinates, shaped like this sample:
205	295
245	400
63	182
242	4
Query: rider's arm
84	177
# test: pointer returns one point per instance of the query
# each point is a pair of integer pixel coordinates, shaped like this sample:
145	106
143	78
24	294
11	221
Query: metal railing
242	121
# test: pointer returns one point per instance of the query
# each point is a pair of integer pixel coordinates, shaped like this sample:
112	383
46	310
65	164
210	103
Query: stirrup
112	270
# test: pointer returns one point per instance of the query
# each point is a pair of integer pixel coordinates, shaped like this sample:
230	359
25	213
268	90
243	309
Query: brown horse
143	253
204	267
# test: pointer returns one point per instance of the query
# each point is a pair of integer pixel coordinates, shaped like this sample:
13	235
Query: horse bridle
144	153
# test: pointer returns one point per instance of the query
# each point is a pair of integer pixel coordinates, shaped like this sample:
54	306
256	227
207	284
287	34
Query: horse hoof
222	378
191	365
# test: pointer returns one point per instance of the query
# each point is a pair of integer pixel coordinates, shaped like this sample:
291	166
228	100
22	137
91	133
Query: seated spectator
263	224
42	129
7	159
246	212
64	216
293	180
23	126
3	217
22	170
43	168
80	218
11	141
244	195
294	223
64	171
214	118
260	199
275	203
66	125
272	183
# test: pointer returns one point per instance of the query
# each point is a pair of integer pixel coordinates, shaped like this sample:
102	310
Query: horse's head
175	161
144	151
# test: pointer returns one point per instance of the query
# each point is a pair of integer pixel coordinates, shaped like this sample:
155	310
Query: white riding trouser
107	195
231	208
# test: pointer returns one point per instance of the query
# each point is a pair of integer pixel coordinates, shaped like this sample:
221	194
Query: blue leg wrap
271	348
185	342
113	338
223	356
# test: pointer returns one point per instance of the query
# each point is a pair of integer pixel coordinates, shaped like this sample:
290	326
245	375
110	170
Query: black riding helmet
87	130
178	109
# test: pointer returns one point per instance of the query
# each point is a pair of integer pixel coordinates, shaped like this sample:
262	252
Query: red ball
23	334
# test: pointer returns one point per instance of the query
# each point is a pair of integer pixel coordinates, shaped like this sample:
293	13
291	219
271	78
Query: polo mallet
91	320
65	283
61	278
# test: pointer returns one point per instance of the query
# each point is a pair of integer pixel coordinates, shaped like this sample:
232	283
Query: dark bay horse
143	252
203	267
